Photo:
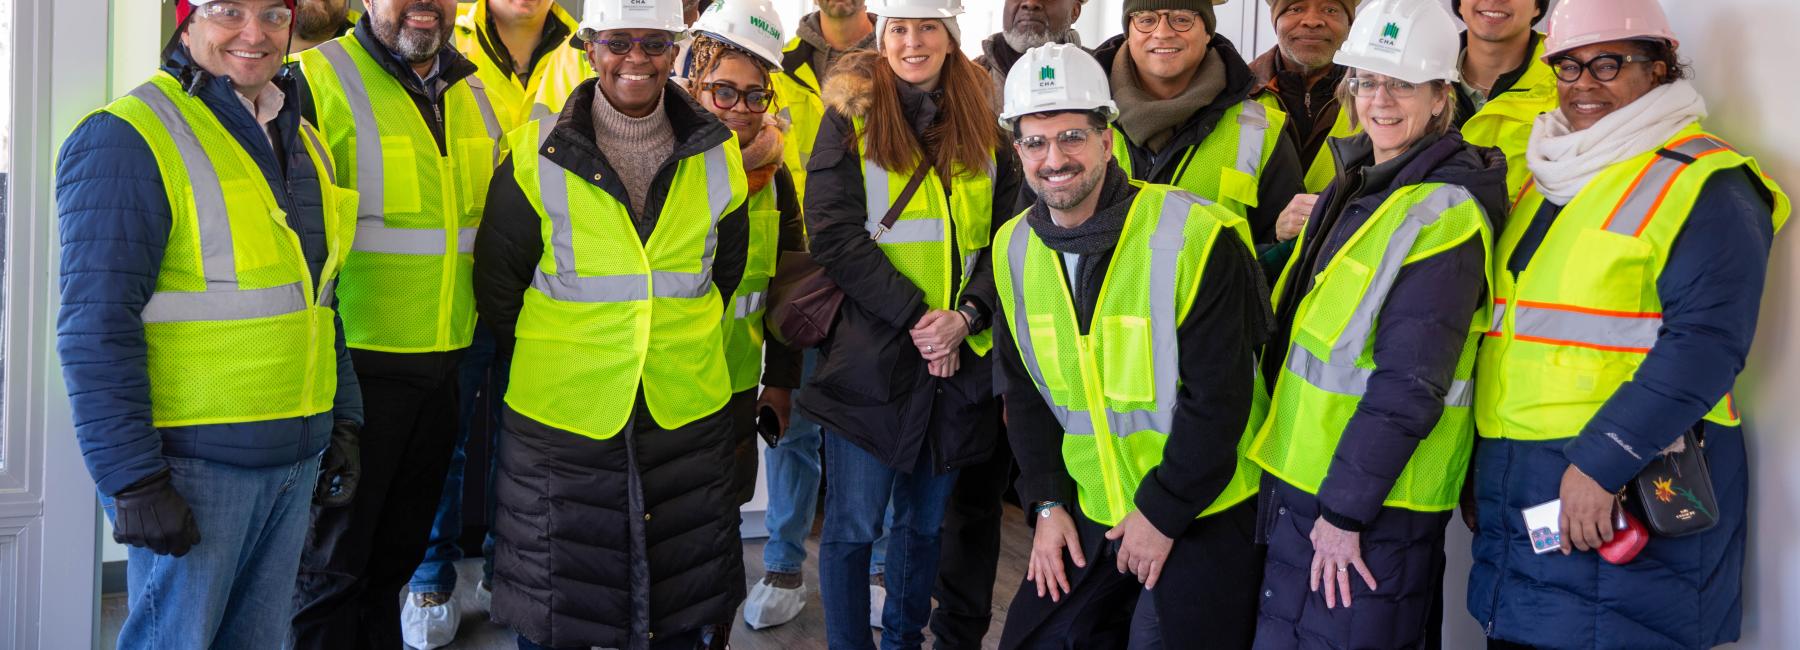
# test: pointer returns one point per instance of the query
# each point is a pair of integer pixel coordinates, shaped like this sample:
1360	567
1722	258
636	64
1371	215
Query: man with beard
1505	82
317	21
1186	117
522	53
410	128
1137	479
1298	77
1026	24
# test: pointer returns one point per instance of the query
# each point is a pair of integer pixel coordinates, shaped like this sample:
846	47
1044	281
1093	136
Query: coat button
1268	593
1281	511
646	516
596	178
550	149
650	635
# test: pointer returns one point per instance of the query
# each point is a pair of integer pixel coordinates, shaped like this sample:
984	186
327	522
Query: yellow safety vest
744	312
515	99
237	330
797	100
1238	148
919	244
1323	168
602	304
407	284
1114	389
1505	121
1575	325
1329	360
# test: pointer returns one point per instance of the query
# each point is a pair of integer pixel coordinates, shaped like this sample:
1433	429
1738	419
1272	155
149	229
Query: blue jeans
793	482
235	589
855	503
437	573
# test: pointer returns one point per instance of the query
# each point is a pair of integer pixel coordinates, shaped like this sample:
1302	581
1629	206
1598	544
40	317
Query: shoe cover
769	606
484	598
426	628
877	603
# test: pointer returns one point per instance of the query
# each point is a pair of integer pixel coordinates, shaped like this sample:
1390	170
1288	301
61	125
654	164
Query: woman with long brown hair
905	188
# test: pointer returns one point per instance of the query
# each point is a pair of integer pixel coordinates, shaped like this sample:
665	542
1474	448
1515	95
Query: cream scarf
1563	161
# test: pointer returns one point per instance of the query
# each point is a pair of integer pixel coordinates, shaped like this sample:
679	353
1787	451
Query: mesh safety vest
1114	389
1505	121
1322	168
797	100
1329	359
516	99
744	312
406	285
1226	167
1575	325
602	304
236	331
919	245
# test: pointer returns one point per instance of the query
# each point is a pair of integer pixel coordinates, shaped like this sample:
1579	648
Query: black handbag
1676	490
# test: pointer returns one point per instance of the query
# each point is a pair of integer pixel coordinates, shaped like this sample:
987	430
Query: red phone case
1629	538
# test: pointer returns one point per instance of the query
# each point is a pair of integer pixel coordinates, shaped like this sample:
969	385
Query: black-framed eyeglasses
1036	147
1367	87
726	96
1605	67
1180	20
234	15
652	46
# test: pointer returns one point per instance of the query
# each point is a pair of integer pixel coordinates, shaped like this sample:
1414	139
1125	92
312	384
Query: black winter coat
871	385
608	542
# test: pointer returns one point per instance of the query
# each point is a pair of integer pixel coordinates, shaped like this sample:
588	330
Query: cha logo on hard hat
1047	73
773	31
1389	38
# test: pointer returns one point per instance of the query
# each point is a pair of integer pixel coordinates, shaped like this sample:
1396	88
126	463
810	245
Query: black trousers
359	556
970	552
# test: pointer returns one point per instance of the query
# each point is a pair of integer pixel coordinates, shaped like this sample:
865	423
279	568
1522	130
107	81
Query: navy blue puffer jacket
115	221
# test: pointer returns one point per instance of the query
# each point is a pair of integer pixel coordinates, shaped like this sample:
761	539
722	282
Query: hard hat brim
1388	69
1106	109
917	13
772	59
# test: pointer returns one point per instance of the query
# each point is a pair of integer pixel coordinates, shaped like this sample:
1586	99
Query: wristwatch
972	316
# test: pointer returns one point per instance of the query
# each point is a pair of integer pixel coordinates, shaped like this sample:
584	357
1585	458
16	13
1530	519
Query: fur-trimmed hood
848	88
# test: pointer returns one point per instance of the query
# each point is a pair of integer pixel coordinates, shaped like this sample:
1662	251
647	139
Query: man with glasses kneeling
1127	352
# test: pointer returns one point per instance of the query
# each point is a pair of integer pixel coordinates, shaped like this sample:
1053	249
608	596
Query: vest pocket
1237	186
1333	301
399	165
1613	274
475	164
1128	367
1044	347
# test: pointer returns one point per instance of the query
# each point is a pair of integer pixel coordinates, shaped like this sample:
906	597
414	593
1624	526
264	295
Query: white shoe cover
769	606
484	598
426	628
877	603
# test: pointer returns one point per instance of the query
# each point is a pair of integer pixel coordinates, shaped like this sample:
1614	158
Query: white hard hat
916	8
1056	77
605	15
750	25
1410	40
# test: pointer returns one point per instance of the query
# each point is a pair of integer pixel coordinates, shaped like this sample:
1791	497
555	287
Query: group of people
1241	335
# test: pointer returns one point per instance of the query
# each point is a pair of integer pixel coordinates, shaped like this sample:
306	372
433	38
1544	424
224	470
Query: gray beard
413	45
1022	41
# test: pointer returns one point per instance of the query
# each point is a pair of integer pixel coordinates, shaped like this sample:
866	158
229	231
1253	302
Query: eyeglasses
1036	147
233	15
725	97
1605	67
1180	20
653	46
1365	87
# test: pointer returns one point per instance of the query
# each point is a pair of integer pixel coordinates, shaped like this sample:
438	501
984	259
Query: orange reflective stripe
1529	183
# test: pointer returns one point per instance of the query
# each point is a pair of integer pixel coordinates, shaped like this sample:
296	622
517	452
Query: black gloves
152	515
341	467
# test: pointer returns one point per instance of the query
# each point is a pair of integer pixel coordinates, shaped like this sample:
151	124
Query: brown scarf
1151	121
762	156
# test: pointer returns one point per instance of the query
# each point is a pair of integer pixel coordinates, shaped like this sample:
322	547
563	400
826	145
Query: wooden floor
803	633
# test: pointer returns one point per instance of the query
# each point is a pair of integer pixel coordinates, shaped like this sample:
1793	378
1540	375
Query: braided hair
708	52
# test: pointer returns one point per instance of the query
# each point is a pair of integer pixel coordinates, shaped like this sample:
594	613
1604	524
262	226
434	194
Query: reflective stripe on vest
372	234
1236	185
1341	375
566	286
222	299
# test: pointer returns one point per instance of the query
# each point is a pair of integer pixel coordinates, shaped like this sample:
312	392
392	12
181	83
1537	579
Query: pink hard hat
1575	23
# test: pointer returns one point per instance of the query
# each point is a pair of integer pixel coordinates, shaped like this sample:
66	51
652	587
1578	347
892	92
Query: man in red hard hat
212	398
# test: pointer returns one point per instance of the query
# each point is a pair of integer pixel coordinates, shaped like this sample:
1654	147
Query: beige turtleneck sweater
635	146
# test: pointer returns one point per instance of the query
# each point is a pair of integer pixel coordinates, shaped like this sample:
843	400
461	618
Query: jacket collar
1270	72
571	142
1510	81
559	27
453	67
919	106
1237	89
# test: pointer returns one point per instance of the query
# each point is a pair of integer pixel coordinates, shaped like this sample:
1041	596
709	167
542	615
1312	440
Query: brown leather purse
803	300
